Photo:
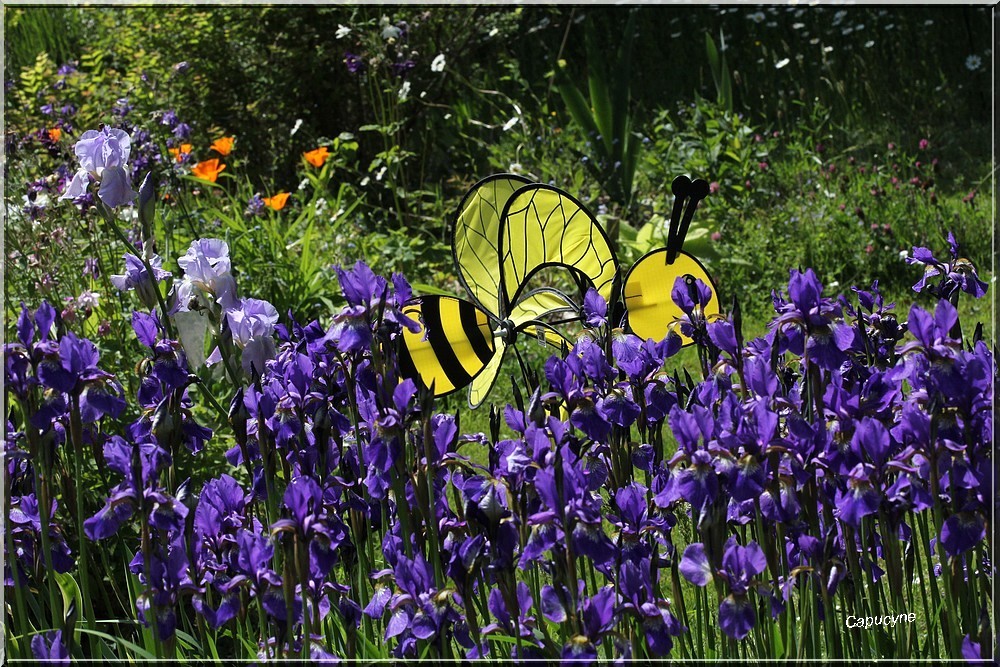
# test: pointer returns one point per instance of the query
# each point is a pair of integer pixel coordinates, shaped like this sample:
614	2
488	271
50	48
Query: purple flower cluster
56	381
843	453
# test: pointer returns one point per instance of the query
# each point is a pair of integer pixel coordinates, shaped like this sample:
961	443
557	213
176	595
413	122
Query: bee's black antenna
687	194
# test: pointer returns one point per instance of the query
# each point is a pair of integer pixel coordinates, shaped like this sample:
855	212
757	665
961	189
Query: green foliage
612	146
32	32
720	72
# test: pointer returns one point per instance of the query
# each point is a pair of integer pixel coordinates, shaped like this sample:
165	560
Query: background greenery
810	120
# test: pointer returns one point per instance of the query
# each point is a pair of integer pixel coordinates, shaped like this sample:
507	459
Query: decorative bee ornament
507	231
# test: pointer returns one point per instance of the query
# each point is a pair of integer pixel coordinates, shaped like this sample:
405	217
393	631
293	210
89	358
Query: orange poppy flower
179	153
208	170
223	145
317	157
55	134
278	201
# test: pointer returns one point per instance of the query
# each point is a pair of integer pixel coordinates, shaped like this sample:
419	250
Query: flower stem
76	434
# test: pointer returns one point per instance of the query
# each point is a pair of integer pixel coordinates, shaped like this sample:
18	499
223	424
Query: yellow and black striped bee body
454	344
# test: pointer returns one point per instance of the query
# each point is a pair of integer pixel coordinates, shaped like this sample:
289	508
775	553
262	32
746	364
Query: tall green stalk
76	436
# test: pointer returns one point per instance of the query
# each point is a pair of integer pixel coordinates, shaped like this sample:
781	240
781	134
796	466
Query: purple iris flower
26	530
49	648
627	350
933	332
366	293
569	506
740	566
598	614
219	514
499	607
962	532
698	483
579	650
252	326
658	624
809	315
207	266
958	274
165	512
419	610
136	277
309	519
252	568
168	578
595	309
861	496
103	155
971	650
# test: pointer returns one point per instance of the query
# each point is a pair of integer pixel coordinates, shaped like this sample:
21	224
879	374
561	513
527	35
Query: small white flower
494	32
404	91
827	49
295	128
303	183
869	44
903	254
365	181
781	63
757	17
437	65
87	300
798	26
380	173
511	123
515	168
320	206
973	63
342	31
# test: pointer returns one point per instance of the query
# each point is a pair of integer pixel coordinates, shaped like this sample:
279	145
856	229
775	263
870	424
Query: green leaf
424	288
70	591
600	97
713	59
575	104
137	651
621	97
